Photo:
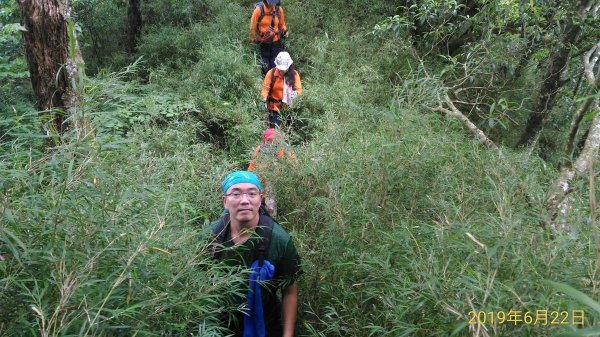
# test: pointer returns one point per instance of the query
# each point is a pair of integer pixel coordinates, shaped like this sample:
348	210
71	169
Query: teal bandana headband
238	177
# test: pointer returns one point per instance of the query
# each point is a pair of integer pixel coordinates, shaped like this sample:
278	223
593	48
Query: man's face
243	202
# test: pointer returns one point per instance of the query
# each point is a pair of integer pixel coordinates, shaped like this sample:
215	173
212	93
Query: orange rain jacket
265	23
274	102
280	154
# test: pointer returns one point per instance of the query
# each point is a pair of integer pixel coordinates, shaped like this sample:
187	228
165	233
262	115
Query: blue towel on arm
254	320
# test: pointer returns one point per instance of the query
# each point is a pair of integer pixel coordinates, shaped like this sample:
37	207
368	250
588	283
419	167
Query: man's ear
223	199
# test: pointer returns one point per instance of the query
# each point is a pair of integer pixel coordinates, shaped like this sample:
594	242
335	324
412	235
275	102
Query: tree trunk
48	51
46	46
591	103
558	201
553	84
134	25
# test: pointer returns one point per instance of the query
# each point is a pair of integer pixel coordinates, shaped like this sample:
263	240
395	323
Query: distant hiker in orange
280	87
267	28
267	158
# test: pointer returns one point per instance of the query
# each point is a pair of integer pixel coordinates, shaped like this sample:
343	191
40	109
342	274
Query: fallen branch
454	112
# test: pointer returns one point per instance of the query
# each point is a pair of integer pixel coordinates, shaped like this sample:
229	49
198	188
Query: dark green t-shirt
282	254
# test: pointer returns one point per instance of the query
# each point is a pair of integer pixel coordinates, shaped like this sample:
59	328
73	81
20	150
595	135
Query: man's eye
236	195
253	194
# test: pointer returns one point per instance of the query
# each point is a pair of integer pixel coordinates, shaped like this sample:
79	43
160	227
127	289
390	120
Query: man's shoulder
283	252
279	234
255	13
215	223
213	226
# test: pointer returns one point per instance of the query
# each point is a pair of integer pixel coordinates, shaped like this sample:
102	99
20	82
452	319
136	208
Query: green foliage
19	132
405	222
16	101
173	47
119	244
178	46
11	70
582	299
103	25
495	50
384	209
119	105
396	24
177	13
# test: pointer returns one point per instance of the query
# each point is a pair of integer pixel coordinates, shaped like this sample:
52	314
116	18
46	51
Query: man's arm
290	308
266	85
297	83
283	26
253	23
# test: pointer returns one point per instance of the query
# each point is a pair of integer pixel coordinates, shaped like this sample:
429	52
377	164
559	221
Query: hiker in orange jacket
267	28
280	86
272	150
273	145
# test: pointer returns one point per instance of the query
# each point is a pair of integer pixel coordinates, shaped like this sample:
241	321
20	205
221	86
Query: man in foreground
245	237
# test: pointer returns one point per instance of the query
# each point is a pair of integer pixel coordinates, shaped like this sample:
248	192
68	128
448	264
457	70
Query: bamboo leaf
589	116
575	294
458	328
70	169
11	239
593	331
9	216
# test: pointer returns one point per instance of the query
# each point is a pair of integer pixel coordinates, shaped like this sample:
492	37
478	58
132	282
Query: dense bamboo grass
405	222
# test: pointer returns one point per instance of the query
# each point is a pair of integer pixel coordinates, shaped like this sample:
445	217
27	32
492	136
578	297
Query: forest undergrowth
405	222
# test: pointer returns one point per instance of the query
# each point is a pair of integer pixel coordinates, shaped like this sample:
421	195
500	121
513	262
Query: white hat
283	61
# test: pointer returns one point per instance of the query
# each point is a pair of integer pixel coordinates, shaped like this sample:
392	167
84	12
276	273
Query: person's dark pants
274	119
273	324
268	53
